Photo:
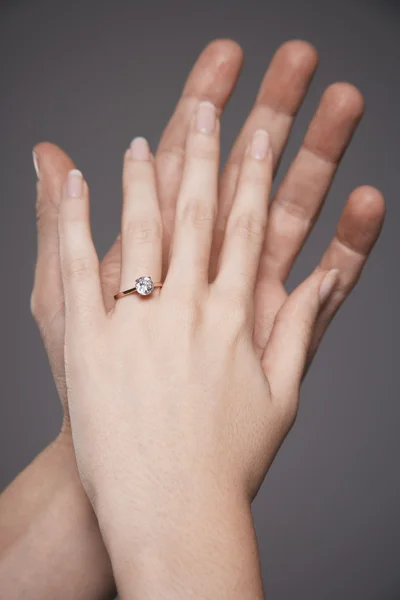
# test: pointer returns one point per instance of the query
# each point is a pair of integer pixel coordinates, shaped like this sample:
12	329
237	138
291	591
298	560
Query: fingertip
52	157
223	50
368	201
52	165
362	219
215	72
36	166
342	98
140	149
335	121
45	148
74	185
288	77
298	55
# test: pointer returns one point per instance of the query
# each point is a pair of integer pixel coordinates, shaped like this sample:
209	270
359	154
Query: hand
50	543
173	405
79	565
294	209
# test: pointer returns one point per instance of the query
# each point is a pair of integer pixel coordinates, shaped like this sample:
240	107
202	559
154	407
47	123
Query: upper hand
176	414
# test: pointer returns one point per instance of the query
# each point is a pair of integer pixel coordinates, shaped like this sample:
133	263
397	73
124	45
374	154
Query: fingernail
328	284
260	144
140	149
36	163
206	117
74	184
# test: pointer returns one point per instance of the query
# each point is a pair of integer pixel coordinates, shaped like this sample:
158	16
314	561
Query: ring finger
141	227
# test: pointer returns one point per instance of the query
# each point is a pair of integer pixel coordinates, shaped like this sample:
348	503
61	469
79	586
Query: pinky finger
287	349
357	231
79	261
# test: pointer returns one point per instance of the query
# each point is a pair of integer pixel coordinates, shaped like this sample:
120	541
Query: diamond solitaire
144	286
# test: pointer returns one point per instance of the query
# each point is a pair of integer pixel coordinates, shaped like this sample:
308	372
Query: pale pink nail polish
74	184
260	144
206	117
36	163
140	149
328	284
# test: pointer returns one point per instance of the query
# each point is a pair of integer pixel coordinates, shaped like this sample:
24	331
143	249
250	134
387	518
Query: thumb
286	353
47	300
52	166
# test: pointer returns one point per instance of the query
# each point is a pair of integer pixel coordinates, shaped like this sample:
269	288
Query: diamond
144	286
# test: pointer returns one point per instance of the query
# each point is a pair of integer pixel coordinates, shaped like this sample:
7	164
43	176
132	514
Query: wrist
179	549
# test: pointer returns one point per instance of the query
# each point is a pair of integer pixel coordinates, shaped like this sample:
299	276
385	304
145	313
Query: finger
357	232
286	352
299	198
141	220
247	222
281	93
212	78
197	201
52	166
78	257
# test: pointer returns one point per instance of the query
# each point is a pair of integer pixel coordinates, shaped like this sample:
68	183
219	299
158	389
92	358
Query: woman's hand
176	411
294	209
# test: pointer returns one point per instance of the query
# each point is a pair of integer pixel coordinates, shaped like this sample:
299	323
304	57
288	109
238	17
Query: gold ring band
144	286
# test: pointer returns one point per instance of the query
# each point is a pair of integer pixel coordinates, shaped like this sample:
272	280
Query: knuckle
197	212
202	152
292	206
255	175
142	231
250	227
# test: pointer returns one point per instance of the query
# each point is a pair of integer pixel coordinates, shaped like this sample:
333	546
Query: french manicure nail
206	117
36	163
74	184
260	144
328	284
140	149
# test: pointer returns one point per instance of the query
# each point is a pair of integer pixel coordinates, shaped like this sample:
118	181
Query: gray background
89	76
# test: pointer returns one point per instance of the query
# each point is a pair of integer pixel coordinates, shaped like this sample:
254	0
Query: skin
187	407
292	214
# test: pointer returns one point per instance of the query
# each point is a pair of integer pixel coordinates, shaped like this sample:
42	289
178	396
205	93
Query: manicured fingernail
260	144
140	149
36	163
206	117
328	284
74	184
